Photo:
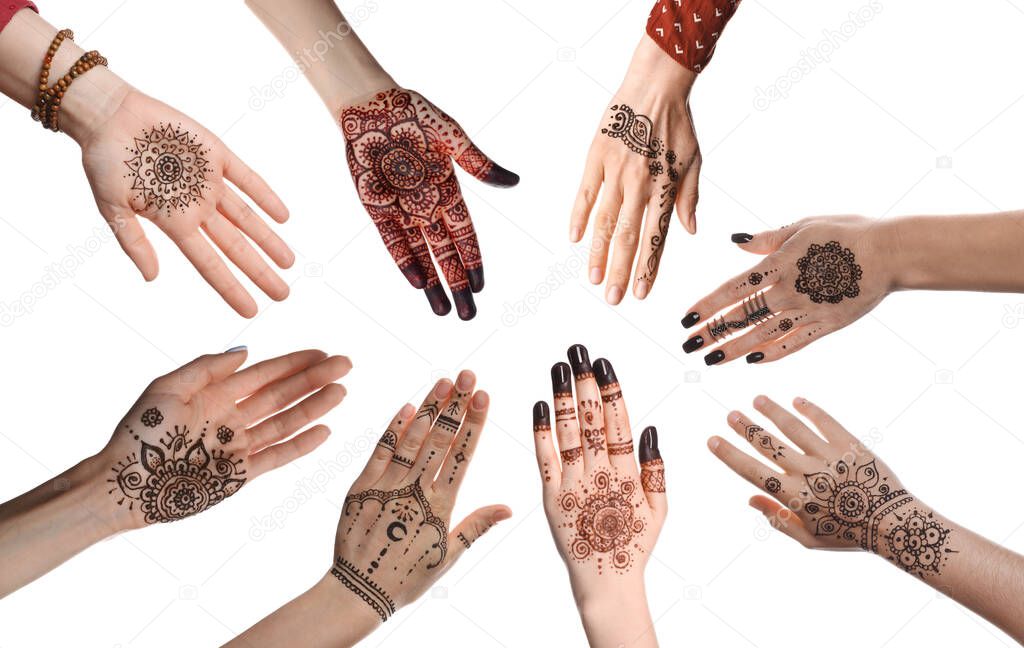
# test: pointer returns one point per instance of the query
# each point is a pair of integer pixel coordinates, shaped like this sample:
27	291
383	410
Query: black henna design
635	131
785	324
755	278
828	273
225	434
402	461
917	543
168	169
757	436
772	485
152	417
465	542
388	440
755	311
362	586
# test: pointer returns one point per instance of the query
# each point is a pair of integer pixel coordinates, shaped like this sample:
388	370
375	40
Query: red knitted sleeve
689	29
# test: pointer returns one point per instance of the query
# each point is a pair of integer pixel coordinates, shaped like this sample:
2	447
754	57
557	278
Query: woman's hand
400	148
647	158
147	158
199	433
604	514
817	276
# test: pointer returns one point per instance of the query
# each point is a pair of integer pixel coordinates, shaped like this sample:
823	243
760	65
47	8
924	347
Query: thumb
475	525
765	242
472	160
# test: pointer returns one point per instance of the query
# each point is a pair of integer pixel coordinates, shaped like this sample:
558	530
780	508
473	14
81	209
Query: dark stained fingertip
476	279
714	357
649	445
756	356
499	176
604	372
541	415
561	378
414	273
465	306
691	319
694	343
438	300
741	237
579	360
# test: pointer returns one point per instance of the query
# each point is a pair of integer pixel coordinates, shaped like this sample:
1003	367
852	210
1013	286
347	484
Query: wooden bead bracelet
47	108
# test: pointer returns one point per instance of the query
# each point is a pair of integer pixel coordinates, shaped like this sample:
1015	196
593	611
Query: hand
818	276
831	492
198	434
393	540
151	160
604	515
647	157
398	146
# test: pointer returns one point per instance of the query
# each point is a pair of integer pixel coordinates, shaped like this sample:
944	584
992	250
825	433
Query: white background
930	378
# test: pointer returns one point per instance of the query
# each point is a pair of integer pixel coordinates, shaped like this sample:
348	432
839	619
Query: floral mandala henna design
828	273
851	502
604	521
168	169
152	417
785	324
755	278
917	543
225	434
180	480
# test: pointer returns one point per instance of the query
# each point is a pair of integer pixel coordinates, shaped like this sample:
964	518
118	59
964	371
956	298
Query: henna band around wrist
47	107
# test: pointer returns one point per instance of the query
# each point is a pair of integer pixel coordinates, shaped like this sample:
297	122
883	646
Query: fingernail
501	516
604	373
649	445
438	300
756	356
693	344
237	348
500	176
561	380
480	400
407	411
443	388
414	273
541	415
579	359
476	279
714	357
713	443
642	288
465	380
595	276
614	295
760	400
465	306
741	237
574	234
691	319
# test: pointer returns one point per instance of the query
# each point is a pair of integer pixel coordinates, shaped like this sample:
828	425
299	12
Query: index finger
760	277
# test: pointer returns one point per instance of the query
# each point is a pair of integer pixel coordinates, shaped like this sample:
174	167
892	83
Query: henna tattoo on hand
180	480
828	273
756	436
592	424
652	476
152	417
603	518
225	434
624	448
402	461
785	324
363	587
388	440
572	454
636	132
917	543
168	169
772	485
755	311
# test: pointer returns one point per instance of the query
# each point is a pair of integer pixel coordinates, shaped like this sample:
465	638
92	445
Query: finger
586	196
765	242
235	246
744	465
468	156
616	418
652	472
263	373
456	219
567	427
190	379
433	290
212	268
447	257
791	426
445	428
765	442
252	185
380	459
547	460
132	239
828	426
283	425
659	215
784	520
409	443
453	470
278	455
761	334
626	238
283	392
604	229
389	226
588	406
796	339
752	311
760	277
688	194
244	218
475	525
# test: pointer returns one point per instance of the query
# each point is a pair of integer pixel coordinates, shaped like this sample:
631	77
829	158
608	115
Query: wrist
90	102
888	240
653	69
355	619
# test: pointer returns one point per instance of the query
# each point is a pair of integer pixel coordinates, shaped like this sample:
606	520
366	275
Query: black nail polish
579	359
693	344
499	176
476	279
714	357
691	319
561	380
465	305
604	373
414	273
649	445
438	300
756	356
741	237
541	415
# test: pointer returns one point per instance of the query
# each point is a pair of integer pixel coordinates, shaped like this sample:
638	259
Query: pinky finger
278	455
470	529
652	472
783	519
547	460
789	344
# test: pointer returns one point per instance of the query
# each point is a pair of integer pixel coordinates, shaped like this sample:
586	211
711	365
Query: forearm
325	615
46	526
972	252
653	71
618	616
92	97
324	45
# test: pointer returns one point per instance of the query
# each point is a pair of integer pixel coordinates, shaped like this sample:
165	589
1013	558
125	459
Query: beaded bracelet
47	108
